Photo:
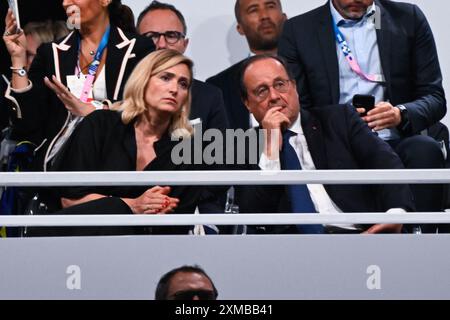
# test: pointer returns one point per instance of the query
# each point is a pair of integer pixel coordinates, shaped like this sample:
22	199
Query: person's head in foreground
186	283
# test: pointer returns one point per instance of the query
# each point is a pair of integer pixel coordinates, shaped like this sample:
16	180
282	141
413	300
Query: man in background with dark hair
261	22
166	26
186	283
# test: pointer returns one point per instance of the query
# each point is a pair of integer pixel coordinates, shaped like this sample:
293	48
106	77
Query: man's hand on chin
273	123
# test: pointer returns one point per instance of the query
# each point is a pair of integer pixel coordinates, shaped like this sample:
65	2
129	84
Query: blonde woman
136	137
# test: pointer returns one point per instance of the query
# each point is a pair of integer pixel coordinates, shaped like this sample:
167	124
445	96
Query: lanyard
354	65
93	67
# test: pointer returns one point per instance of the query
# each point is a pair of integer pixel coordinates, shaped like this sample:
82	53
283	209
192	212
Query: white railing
224	178
222	219
41	179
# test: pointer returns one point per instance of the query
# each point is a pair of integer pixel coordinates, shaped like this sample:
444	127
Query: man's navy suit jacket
408	57
337	139
207	104
228	82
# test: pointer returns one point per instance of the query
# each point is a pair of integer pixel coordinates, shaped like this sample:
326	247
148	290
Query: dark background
29	10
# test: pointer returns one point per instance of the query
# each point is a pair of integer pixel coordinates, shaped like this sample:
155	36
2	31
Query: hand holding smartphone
364	101
15	10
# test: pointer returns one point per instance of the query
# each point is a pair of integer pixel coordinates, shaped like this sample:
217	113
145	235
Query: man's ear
186	43
246	104
240	30
294	84
285	17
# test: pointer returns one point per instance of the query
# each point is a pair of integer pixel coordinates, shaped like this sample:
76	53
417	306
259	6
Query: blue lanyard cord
343	45
93	67
341	40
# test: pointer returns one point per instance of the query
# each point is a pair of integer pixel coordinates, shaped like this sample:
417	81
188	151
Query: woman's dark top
102	142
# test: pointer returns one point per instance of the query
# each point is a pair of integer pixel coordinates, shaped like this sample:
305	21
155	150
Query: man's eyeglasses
190	294
171	37
281	85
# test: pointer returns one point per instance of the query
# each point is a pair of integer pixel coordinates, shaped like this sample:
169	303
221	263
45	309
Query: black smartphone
365	101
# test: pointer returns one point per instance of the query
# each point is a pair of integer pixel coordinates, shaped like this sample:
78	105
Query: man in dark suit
261	22
320	138
167	27
381	48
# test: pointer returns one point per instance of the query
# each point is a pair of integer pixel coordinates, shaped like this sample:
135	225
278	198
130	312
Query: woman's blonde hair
46	31
134	104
